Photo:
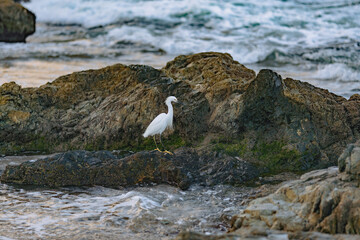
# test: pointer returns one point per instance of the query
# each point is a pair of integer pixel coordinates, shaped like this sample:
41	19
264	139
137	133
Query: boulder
266	108
123	169
277	124
349	162
321	200
16	22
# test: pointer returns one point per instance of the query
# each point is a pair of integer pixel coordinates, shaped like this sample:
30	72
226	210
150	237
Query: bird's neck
170	108
170	114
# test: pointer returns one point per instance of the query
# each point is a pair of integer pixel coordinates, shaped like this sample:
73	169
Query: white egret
161	122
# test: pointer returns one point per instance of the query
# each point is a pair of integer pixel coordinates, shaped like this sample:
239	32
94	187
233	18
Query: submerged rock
103	168
277	124
16	22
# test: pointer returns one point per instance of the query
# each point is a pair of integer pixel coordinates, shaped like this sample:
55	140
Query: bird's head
171	99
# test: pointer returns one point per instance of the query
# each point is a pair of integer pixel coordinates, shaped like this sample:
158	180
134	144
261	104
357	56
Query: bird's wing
157	125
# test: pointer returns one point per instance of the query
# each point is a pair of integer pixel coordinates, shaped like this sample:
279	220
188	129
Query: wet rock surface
278	124
103	168
16	22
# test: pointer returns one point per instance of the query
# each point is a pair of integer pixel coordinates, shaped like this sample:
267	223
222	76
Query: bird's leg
168	152
157	149
162	143
165	151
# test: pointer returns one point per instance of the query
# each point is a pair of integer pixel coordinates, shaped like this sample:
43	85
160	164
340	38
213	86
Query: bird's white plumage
162	121
156	126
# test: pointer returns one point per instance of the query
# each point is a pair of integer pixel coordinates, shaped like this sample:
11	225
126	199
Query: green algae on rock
271	158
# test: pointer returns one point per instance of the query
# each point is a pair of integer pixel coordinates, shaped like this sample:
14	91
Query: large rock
103	168
349	162
277	124
267	108
321	200
16	22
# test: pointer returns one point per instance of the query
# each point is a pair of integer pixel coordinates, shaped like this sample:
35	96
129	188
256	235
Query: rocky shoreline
237	127
227	108
321	204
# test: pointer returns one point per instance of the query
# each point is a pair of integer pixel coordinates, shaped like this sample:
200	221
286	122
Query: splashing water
103	213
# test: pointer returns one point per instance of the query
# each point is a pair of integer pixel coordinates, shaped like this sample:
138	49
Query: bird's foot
167	152
157	149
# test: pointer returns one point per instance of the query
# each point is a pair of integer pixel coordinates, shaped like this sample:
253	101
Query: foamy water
157	212
319	39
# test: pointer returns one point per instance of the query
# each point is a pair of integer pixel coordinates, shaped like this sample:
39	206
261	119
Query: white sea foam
133	34
95	13
140	213
87	13
5	238
337	78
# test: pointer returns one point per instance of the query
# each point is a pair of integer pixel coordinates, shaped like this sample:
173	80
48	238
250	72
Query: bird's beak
178	102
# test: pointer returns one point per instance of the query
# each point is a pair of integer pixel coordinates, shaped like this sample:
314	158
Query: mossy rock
271	158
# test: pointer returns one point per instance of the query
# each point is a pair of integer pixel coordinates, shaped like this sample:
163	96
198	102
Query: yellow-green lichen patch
18	116
4	100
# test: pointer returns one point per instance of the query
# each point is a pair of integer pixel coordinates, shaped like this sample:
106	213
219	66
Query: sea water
151	212
316	41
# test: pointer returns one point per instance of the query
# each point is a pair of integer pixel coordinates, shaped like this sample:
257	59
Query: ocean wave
91	13
337	71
